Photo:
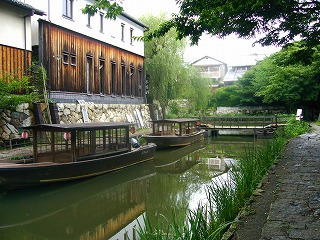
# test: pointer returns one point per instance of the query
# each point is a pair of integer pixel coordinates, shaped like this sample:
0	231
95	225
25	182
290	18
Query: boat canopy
79	126
175	127
81	141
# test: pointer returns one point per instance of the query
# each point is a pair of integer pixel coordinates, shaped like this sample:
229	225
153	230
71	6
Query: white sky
230	50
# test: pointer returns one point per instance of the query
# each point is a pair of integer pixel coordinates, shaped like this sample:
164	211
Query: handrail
224	122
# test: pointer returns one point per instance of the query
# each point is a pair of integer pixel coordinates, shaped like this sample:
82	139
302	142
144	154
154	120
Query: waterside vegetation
226	197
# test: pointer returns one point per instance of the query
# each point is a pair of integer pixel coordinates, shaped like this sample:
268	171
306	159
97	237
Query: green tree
164	64
294	84
280	21
197	91
283	79
112	7
226	96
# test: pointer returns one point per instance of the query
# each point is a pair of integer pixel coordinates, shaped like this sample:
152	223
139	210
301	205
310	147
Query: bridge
262	124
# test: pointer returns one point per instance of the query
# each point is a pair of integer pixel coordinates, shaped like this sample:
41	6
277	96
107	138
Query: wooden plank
73	78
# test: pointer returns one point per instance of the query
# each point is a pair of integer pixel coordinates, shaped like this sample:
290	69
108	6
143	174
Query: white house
211	68
68	14
15	36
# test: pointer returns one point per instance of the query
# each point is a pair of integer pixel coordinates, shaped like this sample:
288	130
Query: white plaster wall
112	28
12	27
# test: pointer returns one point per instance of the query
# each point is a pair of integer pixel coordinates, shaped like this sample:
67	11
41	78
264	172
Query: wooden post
52	139
35	145
73	146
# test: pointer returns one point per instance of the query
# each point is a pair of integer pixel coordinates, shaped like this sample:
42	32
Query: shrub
294	128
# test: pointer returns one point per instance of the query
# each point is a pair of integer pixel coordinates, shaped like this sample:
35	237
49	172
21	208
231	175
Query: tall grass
225	197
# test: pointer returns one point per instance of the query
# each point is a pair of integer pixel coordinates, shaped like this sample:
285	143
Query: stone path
295	212
288	205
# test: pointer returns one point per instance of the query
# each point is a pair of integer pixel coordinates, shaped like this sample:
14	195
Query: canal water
112	206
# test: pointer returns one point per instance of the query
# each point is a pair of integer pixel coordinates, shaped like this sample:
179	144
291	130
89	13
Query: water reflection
93	209
178	160
179	182
110	206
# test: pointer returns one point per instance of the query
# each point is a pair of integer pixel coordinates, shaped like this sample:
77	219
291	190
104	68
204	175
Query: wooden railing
243	122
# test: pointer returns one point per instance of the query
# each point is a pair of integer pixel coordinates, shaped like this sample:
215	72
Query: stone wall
74	113
12	122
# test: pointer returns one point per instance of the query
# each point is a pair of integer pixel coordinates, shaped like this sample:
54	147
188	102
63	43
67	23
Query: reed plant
226	197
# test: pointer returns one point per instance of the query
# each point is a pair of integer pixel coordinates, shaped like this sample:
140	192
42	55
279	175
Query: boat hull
169	141
31	174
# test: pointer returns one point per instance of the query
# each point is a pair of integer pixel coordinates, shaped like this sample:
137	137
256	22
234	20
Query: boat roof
176	120
79	126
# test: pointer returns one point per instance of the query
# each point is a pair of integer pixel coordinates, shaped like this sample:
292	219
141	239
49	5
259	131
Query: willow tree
196	91
164	63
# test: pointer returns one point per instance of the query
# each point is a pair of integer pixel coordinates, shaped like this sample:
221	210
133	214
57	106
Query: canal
113	205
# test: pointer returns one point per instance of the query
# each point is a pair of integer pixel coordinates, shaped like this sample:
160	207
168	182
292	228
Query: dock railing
243	122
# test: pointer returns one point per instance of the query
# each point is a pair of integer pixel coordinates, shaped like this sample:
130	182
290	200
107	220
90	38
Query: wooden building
87	57
85	68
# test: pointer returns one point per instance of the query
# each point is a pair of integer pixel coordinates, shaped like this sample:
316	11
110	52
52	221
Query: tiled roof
206	60
24	6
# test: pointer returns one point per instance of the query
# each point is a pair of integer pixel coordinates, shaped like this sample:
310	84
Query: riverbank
287	204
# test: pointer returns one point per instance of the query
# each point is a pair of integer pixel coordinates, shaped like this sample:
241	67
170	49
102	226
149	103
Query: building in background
221	73
212	69
239	66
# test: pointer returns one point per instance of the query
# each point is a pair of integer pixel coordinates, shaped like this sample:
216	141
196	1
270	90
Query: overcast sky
230	50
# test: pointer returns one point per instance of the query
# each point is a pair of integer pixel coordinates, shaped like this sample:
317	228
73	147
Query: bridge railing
244	121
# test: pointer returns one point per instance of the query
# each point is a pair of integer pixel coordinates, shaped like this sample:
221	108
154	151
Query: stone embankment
12	122
288	207
74	113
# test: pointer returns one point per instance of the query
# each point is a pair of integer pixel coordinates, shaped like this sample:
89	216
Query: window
131	79
123	79
113	78
73	59
122	32
68	8
101	22
140	82
102	75
89	21
65	57
88	73
131	36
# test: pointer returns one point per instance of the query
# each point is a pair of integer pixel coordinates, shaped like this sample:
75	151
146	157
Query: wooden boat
174	132
63	152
